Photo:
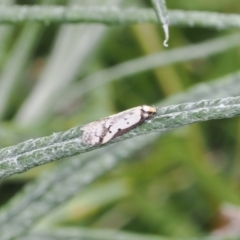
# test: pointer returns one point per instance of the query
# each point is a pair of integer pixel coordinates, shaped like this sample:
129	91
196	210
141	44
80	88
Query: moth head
147	111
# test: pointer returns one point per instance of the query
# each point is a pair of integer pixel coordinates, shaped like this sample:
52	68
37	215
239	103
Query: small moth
102	131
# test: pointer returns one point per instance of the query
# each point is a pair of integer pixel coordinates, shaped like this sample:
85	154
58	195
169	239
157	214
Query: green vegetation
64	64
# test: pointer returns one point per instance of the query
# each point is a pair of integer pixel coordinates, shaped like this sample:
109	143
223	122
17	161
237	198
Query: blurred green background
174	187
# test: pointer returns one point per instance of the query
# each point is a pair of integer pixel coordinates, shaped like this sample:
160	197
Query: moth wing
121	123
94	132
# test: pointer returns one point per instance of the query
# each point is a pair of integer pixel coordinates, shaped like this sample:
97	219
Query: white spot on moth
102	131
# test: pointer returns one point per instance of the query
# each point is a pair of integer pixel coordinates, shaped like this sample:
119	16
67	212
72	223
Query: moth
105	129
